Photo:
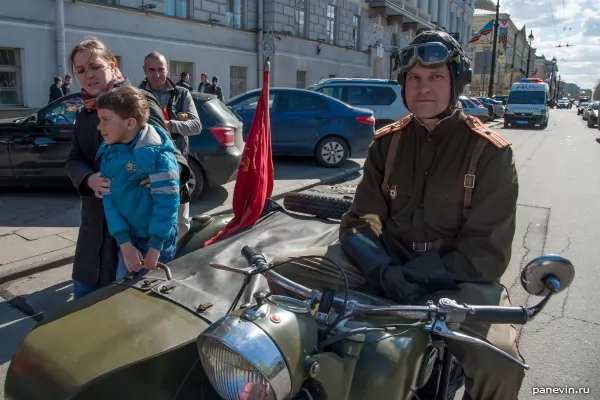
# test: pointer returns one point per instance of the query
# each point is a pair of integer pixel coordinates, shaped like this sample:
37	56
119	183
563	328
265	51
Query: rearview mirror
32	120
546	274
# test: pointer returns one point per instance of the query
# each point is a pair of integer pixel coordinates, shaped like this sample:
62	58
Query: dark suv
33	149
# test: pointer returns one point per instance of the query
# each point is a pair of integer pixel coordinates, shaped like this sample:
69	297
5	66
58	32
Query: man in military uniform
434	214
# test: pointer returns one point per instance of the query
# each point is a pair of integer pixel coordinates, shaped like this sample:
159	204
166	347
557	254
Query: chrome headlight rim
245	338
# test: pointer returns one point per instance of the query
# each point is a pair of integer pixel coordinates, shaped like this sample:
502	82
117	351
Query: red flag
254	183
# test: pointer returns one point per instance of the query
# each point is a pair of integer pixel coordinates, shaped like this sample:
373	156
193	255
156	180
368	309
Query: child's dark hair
126	102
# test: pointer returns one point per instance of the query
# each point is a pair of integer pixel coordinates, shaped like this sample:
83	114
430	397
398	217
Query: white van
527	103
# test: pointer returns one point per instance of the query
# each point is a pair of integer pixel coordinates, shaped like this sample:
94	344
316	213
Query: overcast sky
576	22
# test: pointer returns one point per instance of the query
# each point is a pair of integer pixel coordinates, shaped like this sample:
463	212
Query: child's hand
134	261
146	182
151	258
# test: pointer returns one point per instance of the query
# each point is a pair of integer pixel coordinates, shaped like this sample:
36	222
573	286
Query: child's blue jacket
132	209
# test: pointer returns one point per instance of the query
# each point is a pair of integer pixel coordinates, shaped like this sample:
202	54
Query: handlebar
451	311
434	318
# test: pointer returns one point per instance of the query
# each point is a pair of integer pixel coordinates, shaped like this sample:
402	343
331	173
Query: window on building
299	13
177	67
356	31
107	2
330	24
237	79
11	92
300	79
177	8
234	14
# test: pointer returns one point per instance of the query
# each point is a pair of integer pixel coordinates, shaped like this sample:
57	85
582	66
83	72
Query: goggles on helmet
428	54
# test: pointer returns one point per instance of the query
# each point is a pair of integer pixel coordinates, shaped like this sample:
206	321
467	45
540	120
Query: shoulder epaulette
394	126
478	127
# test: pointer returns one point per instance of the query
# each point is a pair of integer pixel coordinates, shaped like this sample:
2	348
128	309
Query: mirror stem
535	310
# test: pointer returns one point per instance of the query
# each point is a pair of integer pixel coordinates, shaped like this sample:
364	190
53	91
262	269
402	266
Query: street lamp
494	49
529	56
553	78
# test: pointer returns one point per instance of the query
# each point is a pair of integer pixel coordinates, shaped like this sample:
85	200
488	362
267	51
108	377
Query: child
142	220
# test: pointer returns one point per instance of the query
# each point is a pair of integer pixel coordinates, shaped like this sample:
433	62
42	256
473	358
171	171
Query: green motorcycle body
137	339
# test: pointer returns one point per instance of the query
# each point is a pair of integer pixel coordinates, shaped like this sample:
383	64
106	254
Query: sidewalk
38	230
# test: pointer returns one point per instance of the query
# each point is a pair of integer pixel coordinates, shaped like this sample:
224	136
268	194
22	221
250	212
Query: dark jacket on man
96	255
56	92
178	97
216	90
186	85
204	87
66	89
427	198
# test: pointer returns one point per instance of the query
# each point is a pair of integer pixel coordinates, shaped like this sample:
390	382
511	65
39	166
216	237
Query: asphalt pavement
558	213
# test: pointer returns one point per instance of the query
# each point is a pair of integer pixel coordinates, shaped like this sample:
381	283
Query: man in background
180	115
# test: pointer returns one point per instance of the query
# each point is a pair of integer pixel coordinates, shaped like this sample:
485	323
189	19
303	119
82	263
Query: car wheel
196	182
331	151
589	124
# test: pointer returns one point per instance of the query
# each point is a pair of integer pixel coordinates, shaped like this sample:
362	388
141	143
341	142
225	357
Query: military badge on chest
393	192
130	167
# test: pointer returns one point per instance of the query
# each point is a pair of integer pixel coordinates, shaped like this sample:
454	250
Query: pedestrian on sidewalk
181	115
143	221
96	253
184	82
56	91
215	88
204	86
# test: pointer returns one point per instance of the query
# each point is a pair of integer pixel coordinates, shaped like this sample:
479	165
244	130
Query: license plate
522	122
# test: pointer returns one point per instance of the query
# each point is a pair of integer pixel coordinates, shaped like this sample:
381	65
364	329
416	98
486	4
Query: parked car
497	107
489	107
501	98
383	96
587	109
592	116
34	149
470	108
308	123
581	106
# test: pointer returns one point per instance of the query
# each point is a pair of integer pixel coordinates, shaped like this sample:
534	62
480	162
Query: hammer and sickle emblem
393	192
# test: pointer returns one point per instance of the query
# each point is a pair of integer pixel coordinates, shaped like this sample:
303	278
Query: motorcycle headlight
242	362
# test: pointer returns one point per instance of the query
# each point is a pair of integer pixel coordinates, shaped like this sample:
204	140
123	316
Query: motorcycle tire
319	206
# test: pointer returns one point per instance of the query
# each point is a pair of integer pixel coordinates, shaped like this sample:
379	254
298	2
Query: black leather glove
370	256
428	271
397	288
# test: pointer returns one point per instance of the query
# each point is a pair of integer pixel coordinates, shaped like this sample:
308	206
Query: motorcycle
318	345
206	327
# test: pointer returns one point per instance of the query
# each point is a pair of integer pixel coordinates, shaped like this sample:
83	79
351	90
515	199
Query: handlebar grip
499	315
249	253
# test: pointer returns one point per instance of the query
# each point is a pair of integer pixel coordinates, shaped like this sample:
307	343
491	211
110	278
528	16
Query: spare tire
319	206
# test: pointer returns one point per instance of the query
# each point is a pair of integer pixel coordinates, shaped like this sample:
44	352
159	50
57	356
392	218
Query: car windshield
527	97
583	104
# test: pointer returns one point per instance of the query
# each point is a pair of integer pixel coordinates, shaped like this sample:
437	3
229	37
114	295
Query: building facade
306	40
512	54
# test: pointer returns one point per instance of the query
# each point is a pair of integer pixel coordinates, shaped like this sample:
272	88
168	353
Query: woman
96	254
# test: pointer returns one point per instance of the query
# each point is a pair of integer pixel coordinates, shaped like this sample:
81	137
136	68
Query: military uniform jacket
430	179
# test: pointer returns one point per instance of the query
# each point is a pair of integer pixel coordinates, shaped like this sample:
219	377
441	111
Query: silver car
498	107
470	108
382	96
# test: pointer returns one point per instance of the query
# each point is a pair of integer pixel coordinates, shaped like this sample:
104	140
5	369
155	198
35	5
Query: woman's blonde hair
96	46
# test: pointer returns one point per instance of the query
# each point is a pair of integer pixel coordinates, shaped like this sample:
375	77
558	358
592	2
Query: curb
36	264
58	258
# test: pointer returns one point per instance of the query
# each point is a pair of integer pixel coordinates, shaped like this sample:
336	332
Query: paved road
558	213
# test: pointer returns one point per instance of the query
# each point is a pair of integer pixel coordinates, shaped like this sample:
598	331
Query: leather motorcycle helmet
432	49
